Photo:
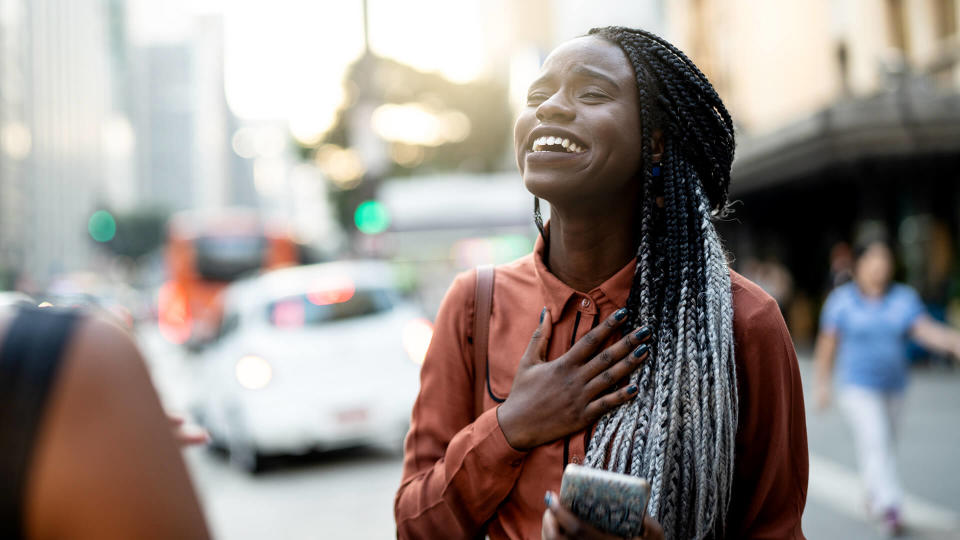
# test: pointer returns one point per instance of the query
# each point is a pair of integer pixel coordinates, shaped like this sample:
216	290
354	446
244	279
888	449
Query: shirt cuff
495	446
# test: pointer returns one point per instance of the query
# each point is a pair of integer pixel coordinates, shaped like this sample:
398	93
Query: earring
655	170
537	218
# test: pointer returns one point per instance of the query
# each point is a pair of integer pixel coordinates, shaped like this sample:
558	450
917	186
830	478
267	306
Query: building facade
55	90
848	117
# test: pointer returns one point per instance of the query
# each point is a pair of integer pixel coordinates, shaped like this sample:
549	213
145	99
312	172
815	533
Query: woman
648	356
865	324
88	452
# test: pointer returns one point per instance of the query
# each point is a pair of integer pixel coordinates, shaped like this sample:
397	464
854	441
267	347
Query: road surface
349	494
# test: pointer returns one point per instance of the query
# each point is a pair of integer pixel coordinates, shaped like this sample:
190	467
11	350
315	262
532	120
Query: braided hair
679	432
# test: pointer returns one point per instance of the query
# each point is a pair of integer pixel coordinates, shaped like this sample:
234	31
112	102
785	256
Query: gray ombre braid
680	431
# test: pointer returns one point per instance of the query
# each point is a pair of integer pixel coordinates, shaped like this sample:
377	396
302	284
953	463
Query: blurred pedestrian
649	356
865	325
841	264
87	450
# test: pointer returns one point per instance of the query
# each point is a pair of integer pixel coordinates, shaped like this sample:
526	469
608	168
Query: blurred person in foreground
87	449
865	325
648	355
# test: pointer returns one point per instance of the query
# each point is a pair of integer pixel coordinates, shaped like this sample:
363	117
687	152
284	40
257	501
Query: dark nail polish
543	312
643	333
620	314
640	351
632	389
546	499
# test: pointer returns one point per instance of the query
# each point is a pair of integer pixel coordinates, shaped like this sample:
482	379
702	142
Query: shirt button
585	303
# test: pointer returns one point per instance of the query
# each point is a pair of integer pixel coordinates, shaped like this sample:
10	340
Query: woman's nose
556	107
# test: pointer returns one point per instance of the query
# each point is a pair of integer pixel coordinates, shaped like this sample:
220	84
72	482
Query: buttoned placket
574	446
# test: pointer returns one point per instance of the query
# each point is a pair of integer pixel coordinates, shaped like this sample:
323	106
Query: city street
278	229
349	494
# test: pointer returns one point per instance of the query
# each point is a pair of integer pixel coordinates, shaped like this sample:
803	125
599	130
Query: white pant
874	417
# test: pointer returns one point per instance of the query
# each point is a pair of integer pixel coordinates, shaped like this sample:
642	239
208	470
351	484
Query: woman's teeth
556	144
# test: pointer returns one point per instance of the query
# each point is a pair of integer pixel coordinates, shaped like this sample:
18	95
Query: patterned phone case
612	502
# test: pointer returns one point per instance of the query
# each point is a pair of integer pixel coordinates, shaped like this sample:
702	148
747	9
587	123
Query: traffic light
371	217
102	226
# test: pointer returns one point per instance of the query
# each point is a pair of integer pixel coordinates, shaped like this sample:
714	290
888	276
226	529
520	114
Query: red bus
205	251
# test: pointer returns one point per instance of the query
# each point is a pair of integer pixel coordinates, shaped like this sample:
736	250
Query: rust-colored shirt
459	472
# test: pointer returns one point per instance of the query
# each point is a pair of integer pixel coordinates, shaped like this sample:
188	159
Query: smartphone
612	502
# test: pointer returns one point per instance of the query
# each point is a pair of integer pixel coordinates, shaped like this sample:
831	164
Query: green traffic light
371	217
102	226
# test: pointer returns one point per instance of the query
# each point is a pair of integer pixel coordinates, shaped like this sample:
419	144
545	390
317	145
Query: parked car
313	357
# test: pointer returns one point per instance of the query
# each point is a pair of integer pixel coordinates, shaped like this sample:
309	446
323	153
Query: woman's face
874	269
578	137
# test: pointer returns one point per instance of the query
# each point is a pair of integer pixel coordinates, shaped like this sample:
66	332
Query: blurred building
14	138
848	117
97	113
55	97
182	122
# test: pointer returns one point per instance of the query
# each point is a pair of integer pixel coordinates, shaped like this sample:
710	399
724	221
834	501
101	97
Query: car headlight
253	372
416	339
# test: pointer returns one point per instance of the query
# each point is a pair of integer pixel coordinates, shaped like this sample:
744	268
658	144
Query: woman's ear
657	145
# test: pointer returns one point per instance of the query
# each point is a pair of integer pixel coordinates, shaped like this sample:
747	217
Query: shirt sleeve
456	469
830	315
771	460
914	305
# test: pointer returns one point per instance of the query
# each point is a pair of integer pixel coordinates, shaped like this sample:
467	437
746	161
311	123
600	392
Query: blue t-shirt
872	334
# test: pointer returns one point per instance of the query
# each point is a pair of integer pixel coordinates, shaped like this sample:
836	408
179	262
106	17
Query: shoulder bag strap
483	306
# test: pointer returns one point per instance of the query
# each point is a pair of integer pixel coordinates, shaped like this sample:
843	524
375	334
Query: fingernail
547	499
620	314
632	389
642	333
641	350
543	312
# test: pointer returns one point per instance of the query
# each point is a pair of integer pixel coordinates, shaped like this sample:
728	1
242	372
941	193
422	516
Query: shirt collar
556	293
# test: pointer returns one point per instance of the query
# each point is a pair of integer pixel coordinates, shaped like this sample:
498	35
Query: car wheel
246	458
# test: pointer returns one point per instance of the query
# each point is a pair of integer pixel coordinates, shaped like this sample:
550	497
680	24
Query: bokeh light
417	335
415	123
372	217
332	291
253	372
343	166
102	226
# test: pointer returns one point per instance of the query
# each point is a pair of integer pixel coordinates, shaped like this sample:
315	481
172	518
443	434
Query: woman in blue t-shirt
865	324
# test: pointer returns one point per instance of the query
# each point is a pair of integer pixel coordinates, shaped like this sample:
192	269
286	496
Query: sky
284	59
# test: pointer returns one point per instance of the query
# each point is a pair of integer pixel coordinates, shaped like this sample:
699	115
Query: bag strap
483	306
29	361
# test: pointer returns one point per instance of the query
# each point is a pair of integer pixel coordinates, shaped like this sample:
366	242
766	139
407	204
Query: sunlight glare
431	35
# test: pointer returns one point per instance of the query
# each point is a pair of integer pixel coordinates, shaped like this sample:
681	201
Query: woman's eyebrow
581	70
543	79
590	72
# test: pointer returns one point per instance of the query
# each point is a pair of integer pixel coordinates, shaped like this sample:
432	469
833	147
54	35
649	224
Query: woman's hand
549	400
184	435
560	523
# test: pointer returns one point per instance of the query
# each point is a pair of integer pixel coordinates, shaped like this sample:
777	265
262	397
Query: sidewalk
928	451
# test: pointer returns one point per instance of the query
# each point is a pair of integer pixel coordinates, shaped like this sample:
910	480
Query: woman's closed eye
594	95
537	98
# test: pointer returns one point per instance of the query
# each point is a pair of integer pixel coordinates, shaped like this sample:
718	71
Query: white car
313	357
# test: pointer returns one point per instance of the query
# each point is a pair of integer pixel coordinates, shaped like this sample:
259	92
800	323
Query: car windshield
327	306
225	258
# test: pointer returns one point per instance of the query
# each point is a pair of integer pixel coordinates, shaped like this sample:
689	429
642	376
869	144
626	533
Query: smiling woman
650	357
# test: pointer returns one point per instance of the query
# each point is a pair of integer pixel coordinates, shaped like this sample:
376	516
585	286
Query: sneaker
890	523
